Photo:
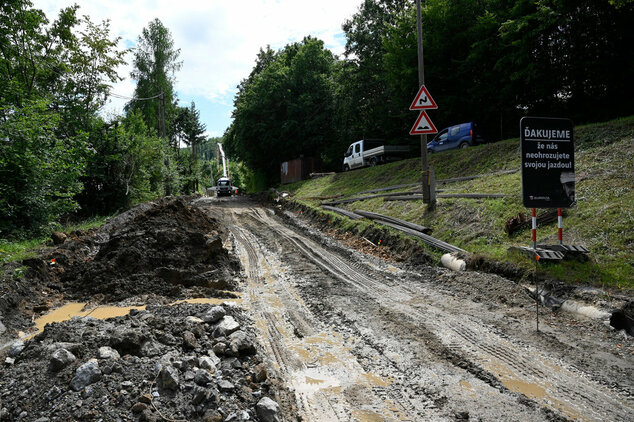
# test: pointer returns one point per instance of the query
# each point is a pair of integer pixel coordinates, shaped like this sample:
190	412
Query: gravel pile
183	362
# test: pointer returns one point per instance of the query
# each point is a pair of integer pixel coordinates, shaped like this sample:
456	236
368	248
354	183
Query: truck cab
353	158
223	187
370	152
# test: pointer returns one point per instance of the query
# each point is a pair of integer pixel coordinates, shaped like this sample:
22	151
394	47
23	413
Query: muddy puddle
78	309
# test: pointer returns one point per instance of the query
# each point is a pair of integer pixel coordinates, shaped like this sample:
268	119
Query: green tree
570	58
38	60
126	167
53	80
155	64
365	103
39	172
285	108
190	130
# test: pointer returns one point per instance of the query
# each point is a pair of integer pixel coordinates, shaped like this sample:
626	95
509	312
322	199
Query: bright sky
219	40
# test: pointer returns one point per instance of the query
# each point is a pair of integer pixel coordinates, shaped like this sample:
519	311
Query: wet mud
331	326
436	345
157	251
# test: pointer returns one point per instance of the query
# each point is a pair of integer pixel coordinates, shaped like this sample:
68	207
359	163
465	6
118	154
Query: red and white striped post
534	212
560	225
534	228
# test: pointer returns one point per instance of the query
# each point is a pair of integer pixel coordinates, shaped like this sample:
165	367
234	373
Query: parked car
459	136
370	152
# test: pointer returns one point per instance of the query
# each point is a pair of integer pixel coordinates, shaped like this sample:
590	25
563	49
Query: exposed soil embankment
166	249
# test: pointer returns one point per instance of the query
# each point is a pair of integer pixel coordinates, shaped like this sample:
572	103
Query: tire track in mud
543	380
326	398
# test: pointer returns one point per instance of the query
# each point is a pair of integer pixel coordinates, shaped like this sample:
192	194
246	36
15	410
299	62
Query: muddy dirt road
357	338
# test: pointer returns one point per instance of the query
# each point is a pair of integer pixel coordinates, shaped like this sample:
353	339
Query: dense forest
489	61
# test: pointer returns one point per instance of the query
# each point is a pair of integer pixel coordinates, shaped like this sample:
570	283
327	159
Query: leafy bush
39	170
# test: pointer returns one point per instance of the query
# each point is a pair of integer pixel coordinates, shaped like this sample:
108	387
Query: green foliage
371	105
127	167
189	130
209	148
155	63
53	80
39	171
284	109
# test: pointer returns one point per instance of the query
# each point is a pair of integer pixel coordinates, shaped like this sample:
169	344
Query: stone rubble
133	368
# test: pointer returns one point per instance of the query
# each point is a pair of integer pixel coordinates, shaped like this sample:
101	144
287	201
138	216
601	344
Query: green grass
18	250
602	219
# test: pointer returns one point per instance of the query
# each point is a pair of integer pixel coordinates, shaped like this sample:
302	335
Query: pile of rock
184	362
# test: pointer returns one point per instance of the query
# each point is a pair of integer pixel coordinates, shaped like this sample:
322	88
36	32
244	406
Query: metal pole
534	230
536	290
426	177
560	225
534	236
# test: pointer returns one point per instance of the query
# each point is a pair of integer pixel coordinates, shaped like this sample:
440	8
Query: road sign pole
534	228
560	224
534	237
426	176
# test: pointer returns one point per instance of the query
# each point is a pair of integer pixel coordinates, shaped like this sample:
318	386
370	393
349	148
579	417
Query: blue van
459	136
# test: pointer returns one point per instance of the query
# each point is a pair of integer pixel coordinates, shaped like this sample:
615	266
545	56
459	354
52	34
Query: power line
123	97
111	94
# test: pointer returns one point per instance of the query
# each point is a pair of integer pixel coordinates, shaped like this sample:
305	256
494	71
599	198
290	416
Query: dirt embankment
181	362
164	250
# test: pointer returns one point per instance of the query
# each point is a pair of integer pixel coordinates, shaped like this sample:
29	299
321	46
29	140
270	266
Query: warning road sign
423	125
423	100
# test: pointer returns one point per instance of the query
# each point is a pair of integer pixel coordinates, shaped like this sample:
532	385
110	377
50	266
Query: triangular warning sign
423	125
423	100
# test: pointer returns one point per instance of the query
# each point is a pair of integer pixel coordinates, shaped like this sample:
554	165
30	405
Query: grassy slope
18	250
602	219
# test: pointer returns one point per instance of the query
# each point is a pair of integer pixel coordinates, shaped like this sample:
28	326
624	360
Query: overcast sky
219	40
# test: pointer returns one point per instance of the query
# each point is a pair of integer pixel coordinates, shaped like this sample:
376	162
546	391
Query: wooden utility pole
163	134
162	131
427	176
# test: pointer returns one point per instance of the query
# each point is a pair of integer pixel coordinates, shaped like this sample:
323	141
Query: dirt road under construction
224	309
357	338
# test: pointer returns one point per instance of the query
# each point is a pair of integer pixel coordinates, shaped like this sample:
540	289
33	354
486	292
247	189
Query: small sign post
548	172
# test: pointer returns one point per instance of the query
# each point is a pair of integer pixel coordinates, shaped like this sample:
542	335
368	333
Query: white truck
370	152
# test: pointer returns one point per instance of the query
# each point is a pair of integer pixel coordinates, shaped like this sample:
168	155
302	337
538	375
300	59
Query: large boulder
60	359
268	410
85	375
226	326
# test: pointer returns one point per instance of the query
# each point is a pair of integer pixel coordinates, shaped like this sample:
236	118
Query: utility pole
162	131
427	176
162	134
